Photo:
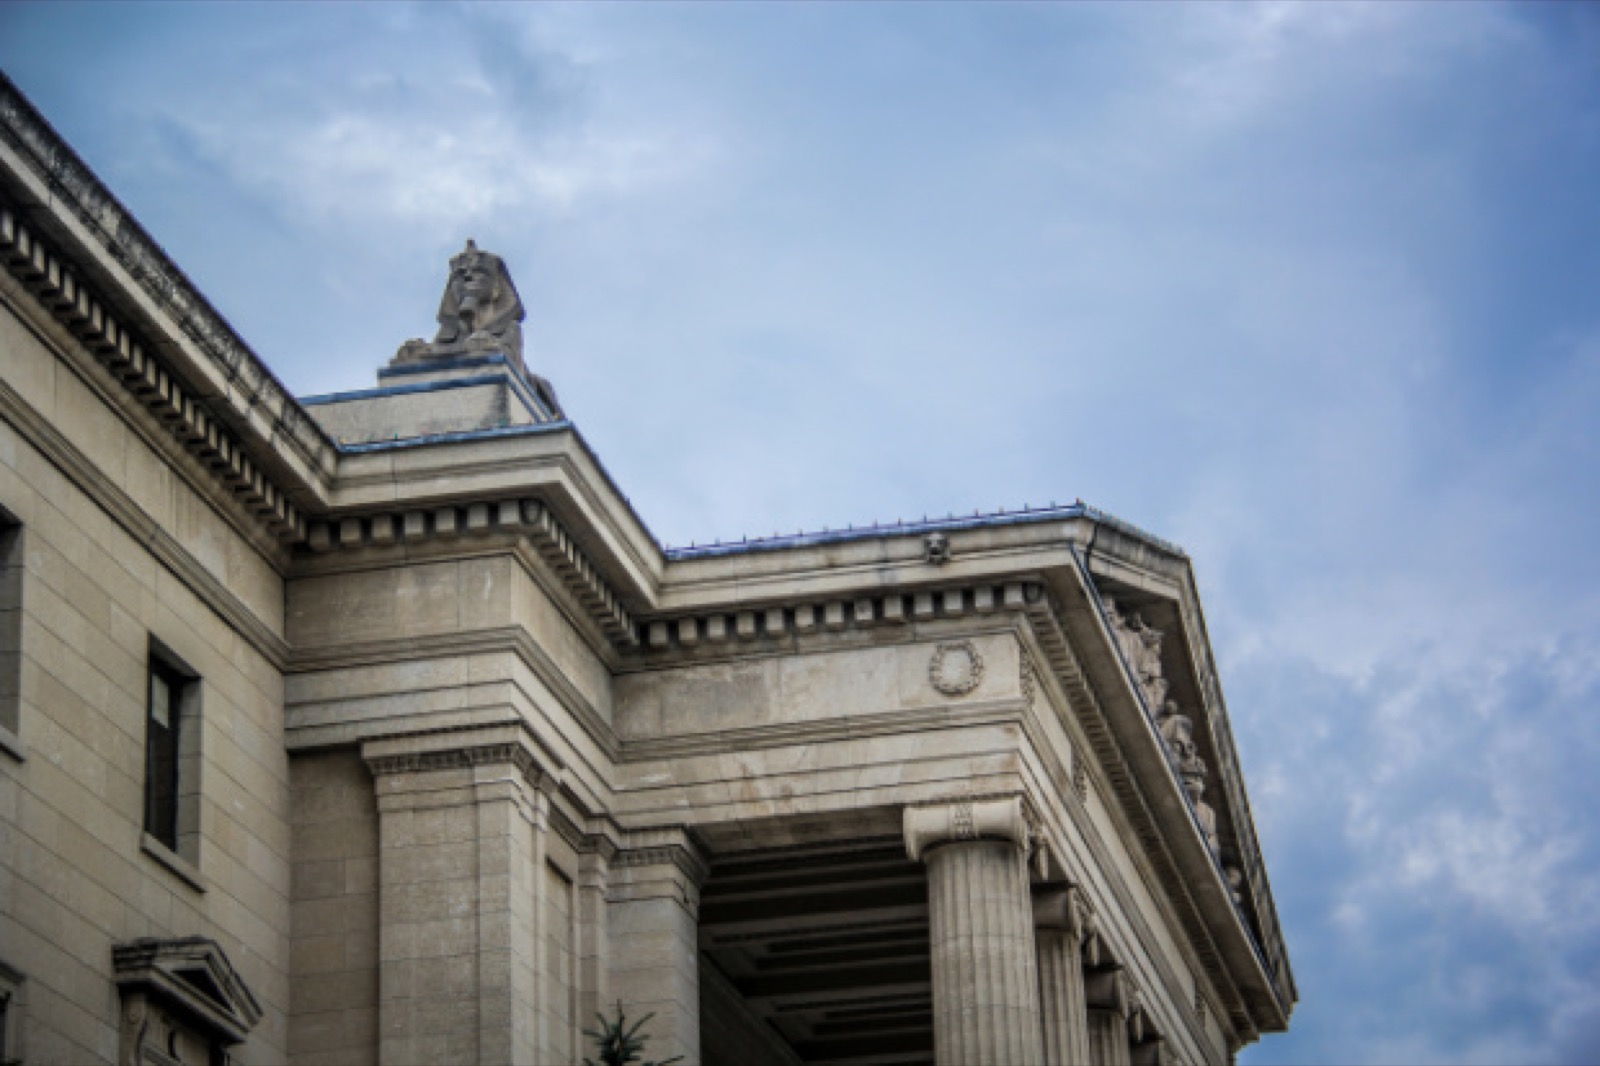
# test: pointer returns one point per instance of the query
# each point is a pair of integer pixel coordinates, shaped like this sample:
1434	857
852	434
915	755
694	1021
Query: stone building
377	727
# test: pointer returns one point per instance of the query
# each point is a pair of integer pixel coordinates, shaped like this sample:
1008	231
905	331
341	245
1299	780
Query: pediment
190	977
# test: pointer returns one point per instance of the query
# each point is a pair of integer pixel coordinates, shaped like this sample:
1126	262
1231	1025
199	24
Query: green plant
620	1045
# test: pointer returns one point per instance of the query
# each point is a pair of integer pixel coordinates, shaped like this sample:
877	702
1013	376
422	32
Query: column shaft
1108	1039
985	974
1061	1002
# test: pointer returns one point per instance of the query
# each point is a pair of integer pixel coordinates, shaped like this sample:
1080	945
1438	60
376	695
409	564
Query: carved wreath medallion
956	668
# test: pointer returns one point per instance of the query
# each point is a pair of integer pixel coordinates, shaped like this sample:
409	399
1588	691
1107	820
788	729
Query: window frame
13	565
172	835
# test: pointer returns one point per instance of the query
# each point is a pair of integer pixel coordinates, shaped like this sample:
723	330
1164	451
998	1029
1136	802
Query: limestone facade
378	727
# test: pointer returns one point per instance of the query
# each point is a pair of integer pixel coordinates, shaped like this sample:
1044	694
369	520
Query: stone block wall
333	952
77	872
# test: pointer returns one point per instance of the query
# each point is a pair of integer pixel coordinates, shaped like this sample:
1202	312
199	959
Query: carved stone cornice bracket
927	827
526	517
131	359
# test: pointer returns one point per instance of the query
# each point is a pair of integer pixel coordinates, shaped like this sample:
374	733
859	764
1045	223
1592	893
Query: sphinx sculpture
480	313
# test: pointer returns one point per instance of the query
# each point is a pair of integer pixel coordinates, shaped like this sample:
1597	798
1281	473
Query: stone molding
965	819
457	759
526	517
460	750
681	857
1027	677
144	376
74	190
782	621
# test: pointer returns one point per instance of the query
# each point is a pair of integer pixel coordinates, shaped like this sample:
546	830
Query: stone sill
174	862
12	745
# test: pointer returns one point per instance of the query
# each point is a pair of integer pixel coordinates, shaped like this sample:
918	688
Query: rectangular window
172	755
10	1016
12	563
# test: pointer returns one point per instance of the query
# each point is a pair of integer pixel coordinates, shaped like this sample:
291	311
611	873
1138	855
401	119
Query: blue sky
1310	290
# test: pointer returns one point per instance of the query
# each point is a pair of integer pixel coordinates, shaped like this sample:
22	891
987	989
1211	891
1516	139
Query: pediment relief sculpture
1141	649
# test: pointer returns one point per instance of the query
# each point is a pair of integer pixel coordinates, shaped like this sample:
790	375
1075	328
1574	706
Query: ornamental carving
956	668
480	311
966	818
1141	649
1025	679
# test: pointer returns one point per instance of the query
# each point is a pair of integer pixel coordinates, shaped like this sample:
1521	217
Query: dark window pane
161	781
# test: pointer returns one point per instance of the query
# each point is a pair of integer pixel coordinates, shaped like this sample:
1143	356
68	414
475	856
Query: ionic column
1106	994
985	974
461	822
1058	920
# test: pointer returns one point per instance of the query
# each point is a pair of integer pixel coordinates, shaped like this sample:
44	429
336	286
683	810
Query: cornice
1091	717
126	512
1218	724
451	522
674	637
72	189
1147	830
144	376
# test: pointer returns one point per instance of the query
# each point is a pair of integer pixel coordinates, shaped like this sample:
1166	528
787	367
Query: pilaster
653	923
985	972
461	825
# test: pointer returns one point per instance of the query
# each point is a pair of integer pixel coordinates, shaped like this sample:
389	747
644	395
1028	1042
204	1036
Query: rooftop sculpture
480	312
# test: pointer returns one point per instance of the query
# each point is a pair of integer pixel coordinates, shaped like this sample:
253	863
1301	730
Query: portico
468	756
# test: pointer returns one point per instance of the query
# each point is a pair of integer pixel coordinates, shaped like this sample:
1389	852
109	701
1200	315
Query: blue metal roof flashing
926	525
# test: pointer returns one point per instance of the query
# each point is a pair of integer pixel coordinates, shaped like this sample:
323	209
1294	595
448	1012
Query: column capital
462	750
1059	905
994	818
1107	990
